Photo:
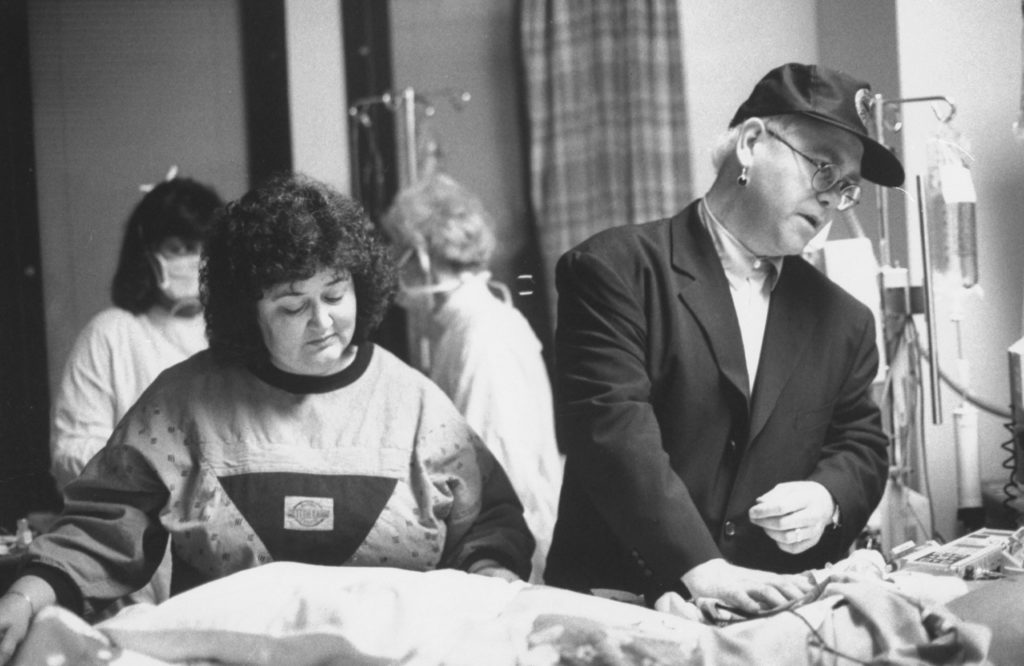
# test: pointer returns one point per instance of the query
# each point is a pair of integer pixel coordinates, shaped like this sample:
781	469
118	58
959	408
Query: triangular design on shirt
291	512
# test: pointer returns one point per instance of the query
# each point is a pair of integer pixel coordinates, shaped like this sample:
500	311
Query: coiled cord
1010	489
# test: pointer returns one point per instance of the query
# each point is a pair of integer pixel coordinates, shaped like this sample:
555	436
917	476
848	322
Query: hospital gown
114	359
486	358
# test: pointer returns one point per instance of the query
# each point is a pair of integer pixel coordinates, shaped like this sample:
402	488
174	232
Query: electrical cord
905	340
916	348
818	641
905	335
1010	488
961	390
814	639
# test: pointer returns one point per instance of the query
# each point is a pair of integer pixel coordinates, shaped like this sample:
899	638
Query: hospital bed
288	613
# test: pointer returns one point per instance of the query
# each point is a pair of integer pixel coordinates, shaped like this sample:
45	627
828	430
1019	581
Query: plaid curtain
606	105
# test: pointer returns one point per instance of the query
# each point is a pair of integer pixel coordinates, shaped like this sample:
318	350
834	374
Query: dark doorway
25	483
373	153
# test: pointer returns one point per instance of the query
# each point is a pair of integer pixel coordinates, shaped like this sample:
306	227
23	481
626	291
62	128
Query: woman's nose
320	316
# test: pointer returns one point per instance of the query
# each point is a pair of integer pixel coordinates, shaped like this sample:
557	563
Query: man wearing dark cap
713	389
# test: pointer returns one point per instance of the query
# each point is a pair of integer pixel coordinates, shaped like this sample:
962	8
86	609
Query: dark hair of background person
178	207
287	230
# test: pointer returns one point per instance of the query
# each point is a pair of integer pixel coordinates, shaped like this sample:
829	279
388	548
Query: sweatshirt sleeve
484	516
108	540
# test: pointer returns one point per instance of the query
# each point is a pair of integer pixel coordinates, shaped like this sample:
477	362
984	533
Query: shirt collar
739	263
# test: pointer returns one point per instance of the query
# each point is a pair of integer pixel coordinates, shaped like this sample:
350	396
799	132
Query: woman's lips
324	341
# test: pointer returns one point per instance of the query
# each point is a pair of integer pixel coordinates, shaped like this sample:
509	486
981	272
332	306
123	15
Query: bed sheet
288	613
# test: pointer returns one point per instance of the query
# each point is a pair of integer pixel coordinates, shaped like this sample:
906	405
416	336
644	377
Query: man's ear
751	131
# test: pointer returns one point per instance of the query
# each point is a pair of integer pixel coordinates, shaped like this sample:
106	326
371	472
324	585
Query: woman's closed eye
294	310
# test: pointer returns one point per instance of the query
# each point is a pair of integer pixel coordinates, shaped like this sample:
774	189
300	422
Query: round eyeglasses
826	176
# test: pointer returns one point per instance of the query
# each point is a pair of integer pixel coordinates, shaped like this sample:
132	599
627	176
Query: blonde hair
446	219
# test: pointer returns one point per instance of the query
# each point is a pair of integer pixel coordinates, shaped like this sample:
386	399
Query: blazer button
729	529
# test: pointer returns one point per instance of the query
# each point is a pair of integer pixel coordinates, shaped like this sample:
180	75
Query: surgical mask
416	288
178	276
422	293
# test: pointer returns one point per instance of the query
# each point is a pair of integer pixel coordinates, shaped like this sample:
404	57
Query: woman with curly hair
292	438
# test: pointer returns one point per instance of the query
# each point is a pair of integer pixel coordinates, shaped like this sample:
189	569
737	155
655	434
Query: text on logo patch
308	513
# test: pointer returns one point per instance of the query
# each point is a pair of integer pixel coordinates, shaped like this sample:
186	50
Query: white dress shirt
751	280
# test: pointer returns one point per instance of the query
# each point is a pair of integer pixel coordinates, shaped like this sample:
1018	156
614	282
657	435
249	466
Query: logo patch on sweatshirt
308	513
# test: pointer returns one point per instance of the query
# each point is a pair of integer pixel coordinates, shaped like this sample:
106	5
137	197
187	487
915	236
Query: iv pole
408	105
880	108
969	494
900	301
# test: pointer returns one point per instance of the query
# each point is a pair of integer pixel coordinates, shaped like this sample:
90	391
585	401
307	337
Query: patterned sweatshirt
243	465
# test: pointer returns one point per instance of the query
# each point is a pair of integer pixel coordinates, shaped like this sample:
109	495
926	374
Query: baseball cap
831	97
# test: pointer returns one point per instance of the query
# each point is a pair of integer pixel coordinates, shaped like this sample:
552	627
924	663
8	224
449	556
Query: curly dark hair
178	207
286	230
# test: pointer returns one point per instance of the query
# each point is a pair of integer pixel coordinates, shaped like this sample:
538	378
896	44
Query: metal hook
894	105
457	98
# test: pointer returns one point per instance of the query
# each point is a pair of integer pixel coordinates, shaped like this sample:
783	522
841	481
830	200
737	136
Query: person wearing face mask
176	265
155	322
292	438
480	350
714	390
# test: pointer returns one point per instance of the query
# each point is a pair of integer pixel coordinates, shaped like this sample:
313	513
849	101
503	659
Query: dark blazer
665	450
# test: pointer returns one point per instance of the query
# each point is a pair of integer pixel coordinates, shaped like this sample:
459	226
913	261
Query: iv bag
951	203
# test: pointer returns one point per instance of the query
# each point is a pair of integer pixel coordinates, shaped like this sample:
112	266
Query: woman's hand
26	597
15	615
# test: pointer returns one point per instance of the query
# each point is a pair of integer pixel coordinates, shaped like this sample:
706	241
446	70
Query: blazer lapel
789	328
704	290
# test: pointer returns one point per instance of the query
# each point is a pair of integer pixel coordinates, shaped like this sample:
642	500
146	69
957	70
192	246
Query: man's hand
492	569
748	590
794	514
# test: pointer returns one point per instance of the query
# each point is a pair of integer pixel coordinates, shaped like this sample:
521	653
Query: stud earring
743	179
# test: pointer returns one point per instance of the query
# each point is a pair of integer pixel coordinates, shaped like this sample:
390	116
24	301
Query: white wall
973	56
727	47
316	91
